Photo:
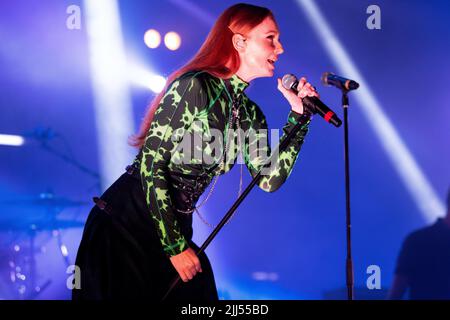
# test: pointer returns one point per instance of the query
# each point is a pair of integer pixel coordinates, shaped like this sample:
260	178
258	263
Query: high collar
238	84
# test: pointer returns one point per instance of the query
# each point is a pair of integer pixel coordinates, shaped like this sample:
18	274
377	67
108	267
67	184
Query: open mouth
272	62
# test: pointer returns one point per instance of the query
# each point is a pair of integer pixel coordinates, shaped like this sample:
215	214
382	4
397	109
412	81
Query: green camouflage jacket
186	141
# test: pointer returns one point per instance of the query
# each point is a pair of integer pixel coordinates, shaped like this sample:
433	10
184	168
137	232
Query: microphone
313	104
331	79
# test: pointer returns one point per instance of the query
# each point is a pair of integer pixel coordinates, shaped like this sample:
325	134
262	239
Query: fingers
190	270
187	275
195	265
280	87
288	94
186	264
301	83
306	89
186	272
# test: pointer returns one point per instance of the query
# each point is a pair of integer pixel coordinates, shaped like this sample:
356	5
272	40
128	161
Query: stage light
156	83
412	176
172	40
112	101
64	250
152	38
11	140
140	76
265	276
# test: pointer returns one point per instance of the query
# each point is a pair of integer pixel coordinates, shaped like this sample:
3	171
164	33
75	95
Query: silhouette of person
423	265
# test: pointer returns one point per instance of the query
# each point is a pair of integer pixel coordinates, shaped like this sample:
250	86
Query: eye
270	37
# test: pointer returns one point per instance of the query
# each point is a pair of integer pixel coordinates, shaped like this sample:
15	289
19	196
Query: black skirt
121	258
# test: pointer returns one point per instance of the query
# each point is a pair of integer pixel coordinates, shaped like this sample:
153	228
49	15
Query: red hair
216	56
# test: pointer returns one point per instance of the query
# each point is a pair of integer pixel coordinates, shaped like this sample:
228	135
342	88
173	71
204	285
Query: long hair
216	56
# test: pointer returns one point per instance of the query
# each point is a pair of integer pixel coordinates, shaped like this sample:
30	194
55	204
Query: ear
239	42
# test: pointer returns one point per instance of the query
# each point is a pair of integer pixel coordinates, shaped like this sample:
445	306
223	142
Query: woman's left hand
295	100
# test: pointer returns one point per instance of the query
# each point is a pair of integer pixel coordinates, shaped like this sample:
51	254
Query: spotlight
152	38
141	76
172	40
110	88
64	250
156	83
11	140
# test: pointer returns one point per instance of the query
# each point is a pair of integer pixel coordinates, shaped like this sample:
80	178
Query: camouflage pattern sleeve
184	98
257	149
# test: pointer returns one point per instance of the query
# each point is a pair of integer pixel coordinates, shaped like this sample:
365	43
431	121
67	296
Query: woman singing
138	236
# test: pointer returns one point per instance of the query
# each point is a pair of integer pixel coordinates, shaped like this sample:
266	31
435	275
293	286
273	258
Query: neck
245	74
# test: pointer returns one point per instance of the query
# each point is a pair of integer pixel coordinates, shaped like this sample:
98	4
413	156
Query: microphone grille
324	78
288	80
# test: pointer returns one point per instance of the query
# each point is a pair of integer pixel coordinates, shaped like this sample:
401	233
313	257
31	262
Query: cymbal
38	225
44	200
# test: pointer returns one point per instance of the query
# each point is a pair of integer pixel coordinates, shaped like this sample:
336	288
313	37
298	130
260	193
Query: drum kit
36	218
28	225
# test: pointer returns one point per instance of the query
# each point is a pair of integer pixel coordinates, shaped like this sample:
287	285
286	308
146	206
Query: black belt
185	195
133	171
102	205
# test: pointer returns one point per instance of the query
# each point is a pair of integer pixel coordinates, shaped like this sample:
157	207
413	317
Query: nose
279	49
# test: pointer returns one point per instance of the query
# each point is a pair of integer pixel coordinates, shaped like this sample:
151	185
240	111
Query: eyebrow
274	31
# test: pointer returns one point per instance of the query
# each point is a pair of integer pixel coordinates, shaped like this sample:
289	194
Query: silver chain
234	116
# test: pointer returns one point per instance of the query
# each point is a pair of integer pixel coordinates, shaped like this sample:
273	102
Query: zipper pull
236	113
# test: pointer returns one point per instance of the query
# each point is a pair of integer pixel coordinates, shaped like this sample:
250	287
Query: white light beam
113	108
414	180
11	140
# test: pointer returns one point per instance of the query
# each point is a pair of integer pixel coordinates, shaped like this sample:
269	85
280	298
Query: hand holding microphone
294	97
310	100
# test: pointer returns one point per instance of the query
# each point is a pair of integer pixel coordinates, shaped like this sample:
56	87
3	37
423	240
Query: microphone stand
349	260
241	198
